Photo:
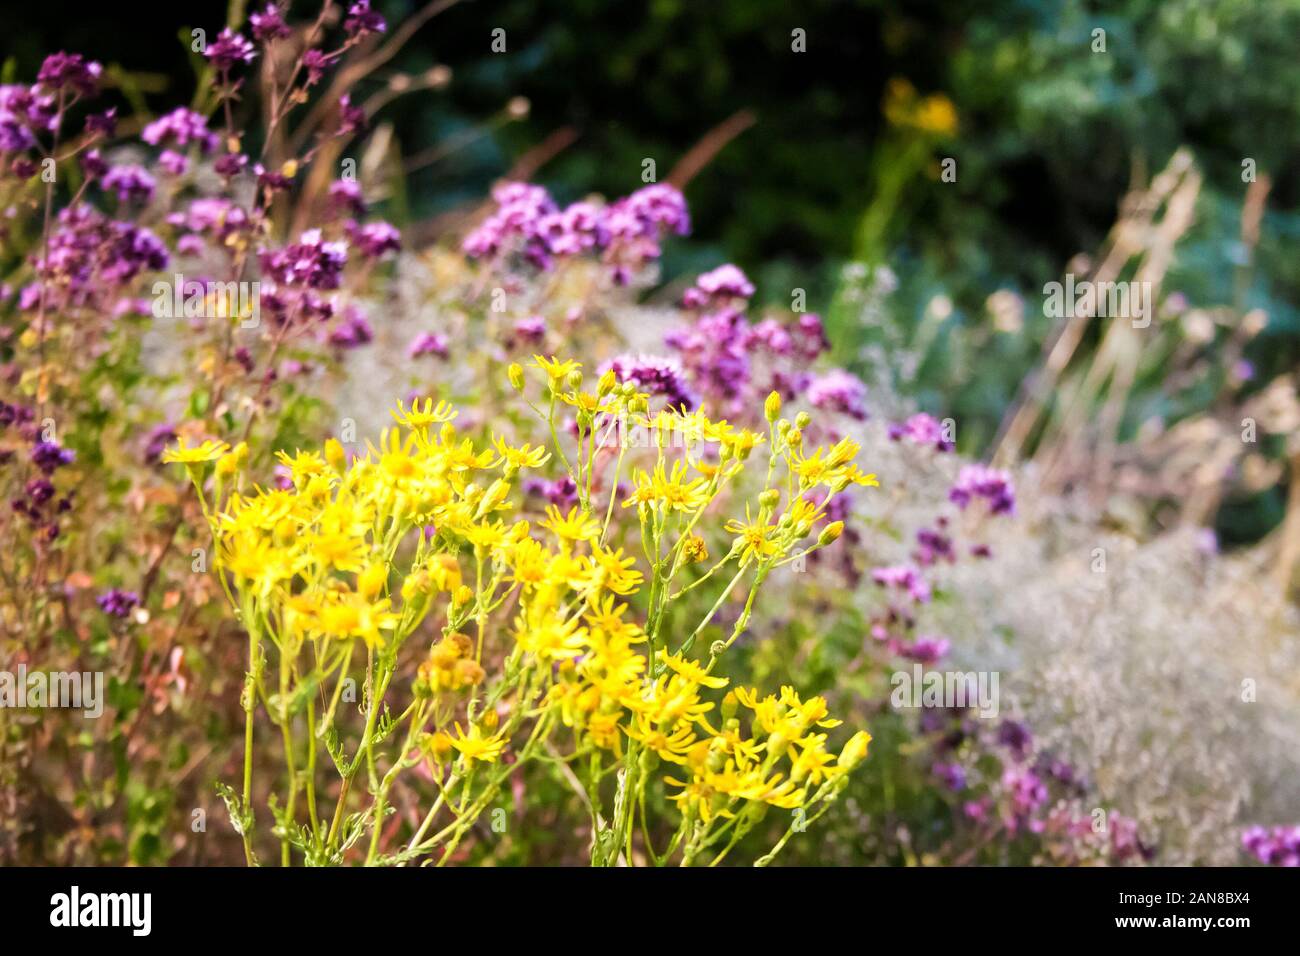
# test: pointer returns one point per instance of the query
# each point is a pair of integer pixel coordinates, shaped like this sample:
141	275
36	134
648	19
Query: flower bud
770	498
802	420
516	375
607	383
855	751
830	533
772	407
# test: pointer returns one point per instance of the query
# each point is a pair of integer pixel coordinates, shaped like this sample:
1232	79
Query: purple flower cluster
228	49
269	25
839	391
69	73
180	128
663	377
1276	846
352	331
29	112
428	343
374	239
980	481
561	492
922	429
362	21
131	183
903	577
310	263
717	287
626	233
90	257
117	603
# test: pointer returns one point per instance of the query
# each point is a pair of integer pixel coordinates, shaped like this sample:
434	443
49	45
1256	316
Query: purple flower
179	128
269	25
839	391
376	238
1015	736
102	124
1026	789
157	441
658	376
173	162
520	210
69	72
926	650
933	546
922	429
562	492
724	282
48	456
40	490
1276	846
578	228
530	331
352	119
428	343
230	48
952	775
131	183
980	481
352	331
346	194
311	262
362	20
903	577
118	603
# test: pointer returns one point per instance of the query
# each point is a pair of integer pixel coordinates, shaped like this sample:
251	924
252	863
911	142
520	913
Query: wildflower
668	491
269	25
180	128
474	746
690	670
922	429
362	20
979	481
754	538
183	454
428	343
573	527
903	577
69	72
556	370
117	603
228	49
839	391
49	456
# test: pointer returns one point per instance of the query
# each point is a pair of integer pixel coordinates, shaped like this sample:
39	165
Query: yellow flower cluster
367	548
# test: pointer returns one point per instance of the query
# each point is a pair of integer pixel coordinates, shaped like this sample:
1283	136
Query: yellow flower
754	537
525	456
182	454
420	418
670	491
576	526
690	670
474	746
557	371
